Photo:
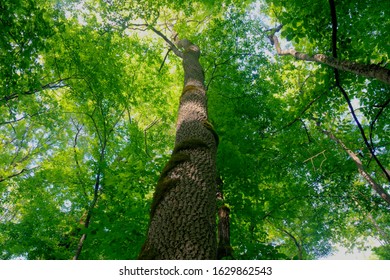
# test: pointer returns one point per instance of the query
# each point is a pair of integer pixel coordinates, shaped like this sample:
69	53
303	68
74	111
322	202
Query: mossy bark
182	222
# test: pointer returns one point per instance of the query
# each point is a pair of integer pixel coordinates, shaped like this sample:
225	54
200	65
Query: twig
313	157
145	131
165	58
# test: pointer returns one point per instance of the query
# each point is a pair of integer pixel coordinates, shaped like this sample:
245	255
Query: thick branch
224	248
368	71
92	205
172	45
89	216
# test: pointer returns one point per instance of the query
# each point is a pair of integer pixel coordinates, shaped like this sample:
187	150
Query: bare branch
172	45
145	131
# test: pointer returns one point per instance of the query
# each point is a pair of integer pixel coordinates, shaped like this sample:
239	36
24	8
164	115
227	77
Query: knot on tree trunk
188	46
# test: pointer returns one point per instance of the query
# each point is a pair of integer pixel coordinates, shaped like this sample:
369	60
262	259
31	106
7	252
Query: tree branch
369	71
52	85
372	124
2	179
303	111
79	129
344	93
374	185
172	45
165	58
145	132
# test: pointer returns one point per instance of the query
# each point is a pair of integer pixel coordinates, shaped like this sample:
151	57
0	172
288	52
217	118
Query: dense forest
194	129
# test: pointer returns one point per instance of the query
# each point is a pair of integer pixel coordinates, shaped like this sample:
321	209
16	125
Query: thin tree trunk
368	71
182	216
296	242
374	185
224	247
88	218
97	187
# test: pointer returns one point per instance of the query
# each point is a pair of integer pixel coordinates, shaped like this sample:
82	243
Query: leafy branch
344	93
369	71
51	86
375	186
2	179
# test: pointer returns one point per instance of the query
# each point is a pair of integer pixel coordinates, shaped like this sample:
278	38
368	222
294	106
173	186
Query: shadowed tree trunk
224	247
182	216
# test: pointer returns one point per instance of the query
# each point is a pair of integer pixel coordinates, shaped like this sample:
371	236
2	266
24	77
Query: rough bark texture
182	222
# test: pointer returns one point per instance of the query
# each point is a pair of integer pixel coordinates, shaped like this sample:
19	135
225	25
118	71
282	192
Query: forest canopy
298	93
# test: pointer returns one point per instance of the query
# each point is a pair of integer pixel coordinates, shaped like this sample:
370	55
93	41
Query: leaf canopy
88	102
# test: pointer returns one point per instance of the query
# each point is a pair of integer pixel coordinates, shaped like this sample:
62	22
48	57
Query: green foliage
86	111
383	252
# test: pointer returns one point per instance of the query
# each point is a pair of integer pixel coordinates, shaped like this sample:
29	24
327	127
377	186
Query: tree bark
374	185
224	248
368	71
182	216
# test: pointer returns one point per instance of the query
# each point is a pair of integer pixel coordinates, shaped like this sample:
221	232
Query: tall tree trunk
182	216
